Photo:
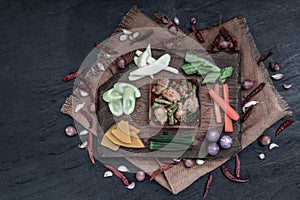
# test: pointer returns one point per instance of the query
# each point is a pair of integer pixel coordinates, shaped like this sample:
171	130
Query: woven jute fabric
270	109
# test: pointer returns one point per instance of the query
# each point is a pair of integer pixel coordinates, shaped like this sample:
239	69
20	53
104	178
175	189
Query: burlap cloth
270	109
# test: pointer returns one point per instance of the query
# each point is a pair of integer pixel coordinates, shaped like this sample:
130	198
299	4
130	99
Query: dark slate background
40	41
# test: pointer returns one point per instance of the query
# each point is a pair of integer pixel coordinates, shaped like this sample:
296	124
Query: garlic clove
273	145
126	31
107	56
83	93
261	156
165	20
100	66
83	132
123	168
176	21
123	38
177	159
287	85
107	174
248	104
78	107
131	186
135	35
83	145
278	76
200	161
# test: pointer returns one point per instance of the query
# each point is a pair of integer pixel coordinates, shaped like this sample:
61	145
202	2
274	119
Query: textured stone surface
42	41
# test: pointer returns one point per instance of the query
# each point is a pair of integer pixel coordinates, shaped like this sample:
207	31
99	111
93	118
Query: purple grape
213	149
226	142
213	135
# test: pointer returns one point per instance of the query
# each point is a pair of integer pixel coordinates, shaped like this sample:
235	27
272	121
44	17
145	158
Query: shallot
140	175
93	107
71	131
248	84
213	149
226	142
274	66
213	135
265	139
188	163
173	29
121	62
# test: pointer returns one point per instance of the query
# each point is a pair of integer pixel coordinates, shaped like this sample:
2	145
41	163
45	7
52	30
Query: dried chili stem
237	166
264	57
118	174
231	177
283	126
254	92
209	180
91	147
160	170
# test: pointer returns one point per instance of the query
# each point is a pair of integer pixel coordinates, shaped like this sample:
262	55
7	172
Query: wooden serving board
140	117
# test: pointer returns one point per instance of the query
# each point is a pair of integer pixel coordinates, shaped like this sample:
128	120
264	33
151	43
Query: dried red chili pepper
86	82
197	33
283	126
237	166
104	48
215	43
90	147
73	75
88	117
209	180
247	113
265	57
118	174
254	92
160	170
231	177
142	37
